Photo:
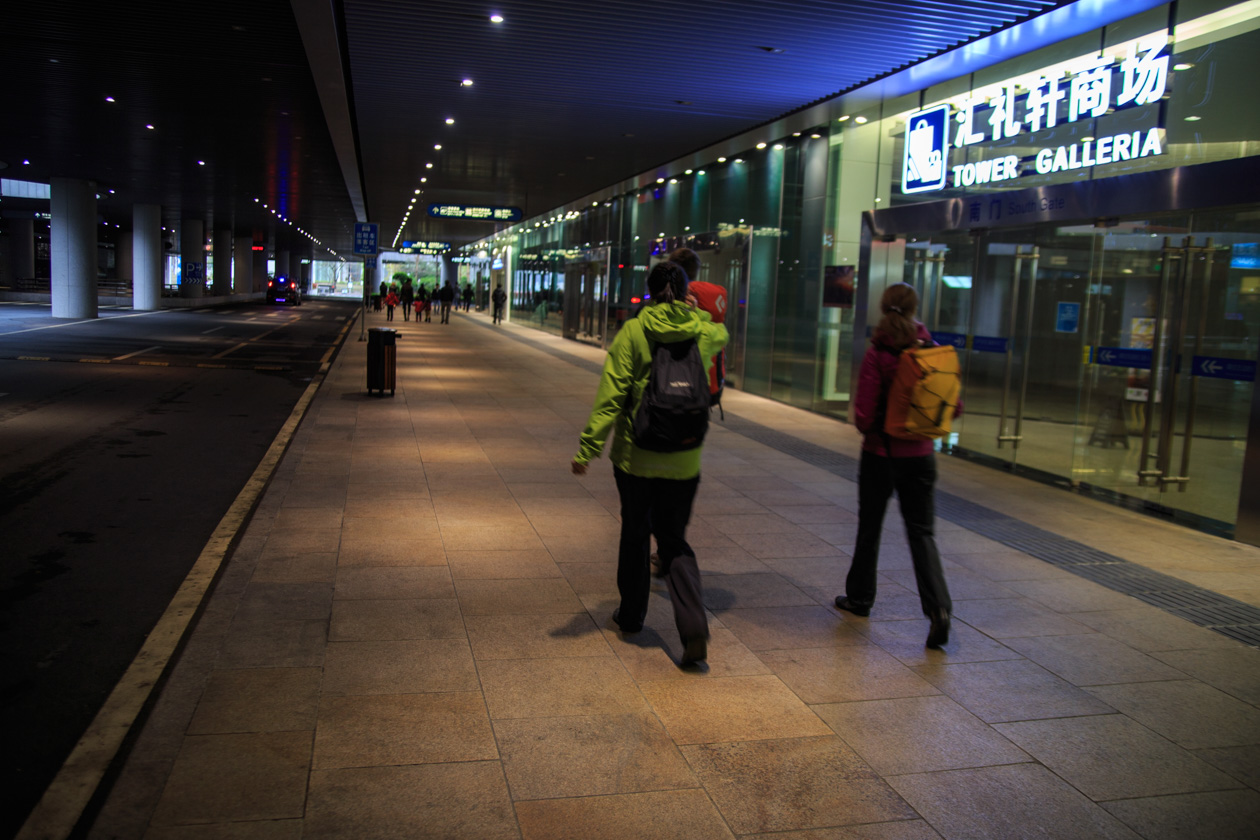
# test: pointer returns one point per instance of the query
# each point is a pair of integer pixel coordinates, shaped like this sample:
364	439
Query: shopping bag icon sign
925	160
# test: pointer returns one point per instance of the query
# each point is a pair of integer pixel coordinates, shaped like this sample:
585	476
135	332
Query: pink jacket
879	366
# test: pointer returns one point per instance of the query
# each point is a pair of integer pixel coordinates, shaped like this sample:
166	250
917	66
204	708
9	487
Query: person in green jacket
656	488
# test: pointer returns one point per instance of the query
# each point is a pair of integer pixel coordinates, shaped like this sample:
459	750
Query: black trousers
914	480
661	506
446	312
498	313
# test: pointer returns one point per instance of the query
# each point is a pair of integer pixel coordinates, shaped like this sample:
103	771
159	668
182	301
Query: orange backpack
923	396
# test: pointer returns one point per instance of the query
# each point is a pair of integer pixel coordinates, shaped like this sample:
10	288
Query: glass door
586	299
1173	365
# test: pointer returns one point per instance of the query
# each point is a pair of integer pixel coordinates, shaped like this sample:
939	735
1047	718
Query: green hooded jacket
621	387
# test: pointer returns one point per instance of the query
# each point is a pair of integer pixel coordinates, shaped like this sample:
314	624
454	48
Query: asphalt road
123	441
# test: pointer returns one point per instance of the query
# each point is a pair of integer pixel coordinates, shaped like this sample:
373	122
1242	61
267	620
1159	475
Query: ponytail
898	325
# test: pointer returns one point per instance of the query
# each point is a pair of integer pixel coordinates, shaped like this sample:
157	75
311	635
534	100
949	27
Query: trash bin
381	359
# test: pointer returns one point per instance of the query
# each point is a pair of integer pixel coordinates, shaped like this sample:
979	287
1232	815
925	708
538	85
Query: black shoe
625	628
695	649
843	602
938	634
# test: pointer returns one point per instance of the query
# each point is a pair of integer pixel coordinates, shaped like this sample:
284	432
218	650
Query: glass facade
1040	310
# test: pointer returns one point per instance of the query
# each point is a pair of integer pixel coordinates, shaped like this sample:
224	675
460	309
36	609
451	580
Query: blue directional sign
428	246
953	339
988	344
1239	370
1132	357
365	238
475	212
924	164
1069	317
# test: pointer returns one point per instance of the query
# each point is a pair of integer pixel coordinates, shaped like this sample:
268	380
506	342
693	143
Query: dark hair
899	327
688	259
667	282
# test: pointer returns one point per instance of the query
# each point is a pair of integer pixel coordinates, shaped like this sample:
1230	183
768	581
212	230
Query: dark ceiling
328	111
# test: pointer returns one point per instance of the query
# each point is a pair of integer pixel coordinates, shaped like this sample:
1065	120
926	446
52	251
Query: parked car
283	290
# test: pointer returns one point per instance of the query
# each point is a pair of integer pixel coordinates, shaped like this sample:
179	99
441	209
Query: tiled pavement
412	639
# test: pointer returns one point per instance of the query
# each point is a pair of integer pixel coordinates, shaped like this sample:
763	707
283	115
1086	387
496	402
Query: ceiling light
660	180
149	126
109	99
26	163
201	163
842	119
739	160
466	83
496	18
450	121
722	160
861	120
761	145
1182	66
688	172
673	180
428	166
815	136
1193	118
417	192
424	180
701	172
796	134
778	147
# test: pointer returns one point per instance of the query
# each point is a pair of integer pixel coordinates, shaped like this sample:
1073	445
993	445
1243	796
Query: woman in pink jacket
888	464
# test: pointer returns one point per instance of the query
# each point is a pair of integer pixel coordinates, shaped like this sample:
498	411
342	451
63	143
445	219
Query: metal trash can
382	359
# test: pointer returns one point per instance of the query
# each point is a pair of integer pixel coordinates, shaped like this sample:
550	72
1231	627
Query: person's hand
578	468
691	301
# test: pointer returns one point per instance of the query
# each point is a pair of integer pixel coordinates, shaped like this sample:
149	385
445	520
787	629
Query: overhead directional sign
365	238
958	340
1240	370
475	212
988	344
427	246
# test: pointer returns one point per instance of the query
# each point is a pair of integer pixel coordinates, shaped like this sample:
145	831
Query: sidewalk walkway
413	639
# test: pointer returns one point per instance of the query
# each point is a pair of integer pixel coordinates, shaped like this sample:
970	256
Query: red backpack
712	299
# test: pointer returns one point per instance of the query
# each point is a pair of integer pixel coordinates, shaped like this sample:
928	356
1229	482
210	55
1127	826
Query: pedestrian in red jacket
889	463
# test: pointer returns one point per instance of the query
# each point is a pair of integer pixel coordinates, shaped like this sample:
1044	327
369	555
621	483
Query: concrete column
147	252
258	281
73	243
282	265
22	248
222	283
192	258
449	272
243	266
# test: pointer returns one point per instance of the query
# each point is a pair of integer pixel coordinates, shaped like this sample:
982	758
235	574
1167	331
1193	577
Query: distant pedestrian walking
447	295
498	298
406	297
391	300
468	296
891	463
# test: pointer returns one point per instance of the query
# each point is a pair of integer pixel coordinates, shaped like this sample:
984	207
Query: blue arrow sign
1239	370
955	339
1133	357
988	344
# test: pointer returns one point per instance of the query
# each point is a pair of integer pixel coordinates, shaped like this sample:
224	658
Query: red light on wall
258	248
636	300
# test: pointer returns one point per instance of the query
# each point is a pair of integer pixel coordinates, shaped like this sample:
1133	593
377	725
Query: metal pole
366	289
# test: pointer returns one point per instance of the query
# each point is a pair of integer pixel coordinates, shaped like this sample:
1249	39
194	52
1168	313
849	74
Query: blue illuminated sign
1239	370
988	344
1069	317
365	238
428	246
1132	357
953	339
927	145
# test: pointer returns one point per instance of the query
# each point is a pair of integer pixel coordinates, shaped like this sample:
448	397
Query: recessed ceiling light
815	136
1193	118
861	120
1182	66
496	18
149	126
450	121
437	147
688	172
417	192
660	180
842	119
109	99
778	147
721	160
761	145
428	166
201	163
424	180
466	83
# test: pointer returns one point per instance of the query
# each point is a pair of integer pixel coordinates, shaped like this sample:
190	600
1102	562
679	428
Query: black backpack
673	415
